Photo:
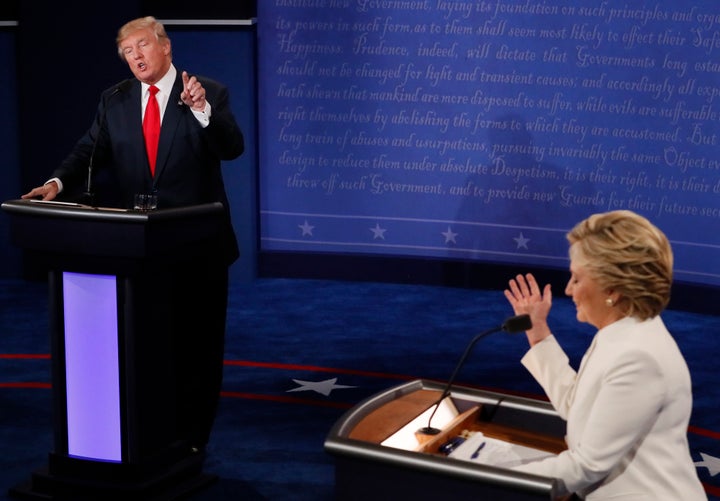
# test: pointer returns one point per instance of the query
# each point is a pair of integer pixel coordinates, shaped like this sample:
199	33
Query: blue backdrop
483	130
10	177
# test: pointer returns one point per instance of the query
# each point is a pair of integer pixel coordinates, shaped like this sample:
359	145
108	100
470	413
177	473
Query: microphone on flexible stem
519	323
89	196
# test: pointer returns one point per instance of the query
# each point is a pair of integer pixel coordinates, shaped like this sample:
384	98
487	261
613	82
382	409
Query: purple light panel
91	366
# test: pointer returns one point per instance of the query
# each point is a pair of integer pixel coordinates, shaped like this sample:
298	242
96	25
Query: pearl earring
609	301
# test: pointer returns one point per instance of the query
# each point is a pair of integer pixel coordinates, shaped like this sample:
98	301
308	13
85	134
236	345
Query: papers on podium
496	452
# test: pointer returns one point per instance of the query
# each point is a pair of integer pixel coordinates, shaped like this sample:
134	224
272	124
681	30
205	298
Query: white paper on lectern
497	452
405	439
55	202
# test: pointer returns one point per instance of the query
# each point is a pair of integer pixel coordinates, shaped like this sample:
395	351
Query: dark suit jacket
188	170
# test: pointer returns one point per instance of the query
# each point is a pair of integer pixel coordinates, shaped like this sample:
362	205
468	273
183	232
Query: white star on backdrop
378	232
322	387
449	235
306	228
709	462
521	241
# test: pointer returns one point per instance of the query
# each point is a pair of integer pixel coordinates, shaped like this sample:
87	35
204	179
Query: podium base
116	482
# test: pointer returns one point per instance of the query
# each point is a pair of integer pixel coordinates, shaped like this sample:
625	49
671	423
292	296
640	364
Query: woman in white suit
628	406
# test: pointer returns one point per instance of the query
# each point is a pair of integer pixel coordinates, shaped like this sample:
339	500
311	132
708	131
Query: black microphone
519	323
89	195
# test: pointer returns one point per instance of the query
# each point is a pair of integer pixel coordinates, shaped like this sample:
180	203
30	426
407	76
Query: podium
116	429
367	469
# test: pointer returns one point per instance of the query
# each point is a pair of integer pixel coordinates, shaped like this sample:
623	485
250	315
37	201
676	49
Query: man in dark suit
197	130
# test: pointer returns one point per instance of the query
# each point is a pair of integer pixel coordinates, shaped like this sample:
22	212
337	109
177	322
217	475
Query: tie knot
153	90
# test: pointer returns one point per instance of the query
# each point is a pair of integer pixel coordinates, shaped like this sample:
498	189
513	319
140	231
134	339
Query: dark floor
269	434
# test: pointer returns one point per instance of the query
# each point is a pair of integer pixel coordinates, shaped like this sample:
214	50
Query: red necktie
151	127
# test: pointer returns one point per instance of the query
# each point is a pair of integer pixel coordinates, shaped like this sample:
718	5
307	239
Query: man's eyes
140	45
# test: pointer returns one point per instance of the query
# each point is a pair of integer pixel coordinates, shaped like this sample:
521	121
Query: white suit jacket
627	411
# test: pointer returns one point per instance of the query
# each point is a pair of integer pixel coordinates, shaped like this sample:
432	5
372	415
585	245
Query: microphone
519	323
89	195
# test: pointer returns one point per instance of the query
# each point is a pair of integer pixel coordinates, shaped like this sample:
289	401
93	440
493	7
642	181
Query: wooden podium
116	433
366	469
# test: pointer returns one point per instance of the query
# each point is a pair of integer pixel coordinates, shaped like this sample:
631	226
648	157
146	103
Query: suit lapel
171	118
133	126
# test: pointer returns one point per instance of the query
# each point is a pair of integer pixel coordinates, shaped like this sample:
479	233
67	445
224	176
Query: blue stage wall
482	131
10	263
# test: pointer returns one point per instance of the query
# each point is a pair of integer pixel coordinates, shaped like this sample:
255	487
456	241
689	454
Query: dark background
64	56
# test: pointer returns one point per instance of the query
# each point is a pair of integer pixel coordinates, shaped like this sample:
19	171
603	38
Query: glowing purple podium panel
92	366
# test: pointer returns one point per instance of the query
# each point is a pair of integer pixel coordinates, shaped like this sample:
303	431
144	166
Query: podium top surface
68	210
79	232
357	436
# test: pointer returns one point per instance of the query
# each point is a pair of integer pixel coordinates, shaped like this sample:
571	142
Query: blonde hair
627	254
141	23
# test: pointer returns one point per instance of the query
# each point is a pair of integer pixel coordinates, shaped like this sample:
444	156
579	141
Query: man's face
147	57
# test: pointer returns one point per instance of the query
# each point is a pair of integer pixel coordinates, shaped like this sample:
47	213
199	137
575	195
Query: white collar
165	84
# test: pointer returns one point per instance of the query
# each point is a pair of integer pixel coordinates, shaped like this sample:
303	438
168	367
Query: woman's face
590	299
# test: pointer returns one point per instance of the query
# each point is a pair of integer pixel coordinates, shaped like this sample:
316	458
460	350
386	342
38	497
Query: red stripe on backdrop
287	400
354	372
269	365
711	489
25	356
315	368
246	363
44	386
704	432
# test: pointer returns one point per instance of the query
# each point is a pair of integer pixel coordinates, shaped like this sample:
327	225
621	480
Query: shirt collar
165	84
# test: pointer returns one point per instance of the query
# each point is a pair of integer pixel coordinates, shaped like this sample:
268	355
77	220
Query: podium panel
92	371
112	277
366	468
